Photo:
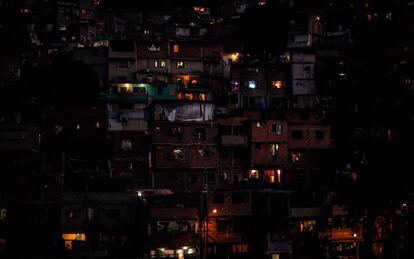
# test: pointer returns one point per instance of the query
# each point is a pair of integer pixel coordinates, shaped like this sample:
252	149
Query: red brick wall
264	155
192	159
308	140
264	133
162	133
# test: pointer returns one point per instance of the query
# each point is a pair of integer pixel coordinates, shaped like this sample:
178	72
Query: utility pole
205	210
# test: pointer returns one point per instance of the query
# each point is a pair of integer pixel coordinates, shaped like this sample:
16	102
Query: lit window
153	48
58	129
3	214
279	176
176	48
234	57
278	84
126	144
177	154
278	129
295	156
234	86
274	149
202	97
253	174
25	10
275	256
204	153
163	64
97	125
269	176
388	16
307	225
258	124
194	82
251	84
72	237
239	248
189	97
155	63
78	126
180	64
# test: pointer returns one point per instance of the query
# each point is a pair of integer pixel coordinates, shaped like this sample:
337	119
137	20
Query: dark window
218	198
193	178
305	115
160	90
173	177
200	134
124	105
237	197
113	214
296	134
72	214
139	90
176	131
257	145
224	130
252	102
239	153
238	130
319	134
122	64
211	178
223	225
225	153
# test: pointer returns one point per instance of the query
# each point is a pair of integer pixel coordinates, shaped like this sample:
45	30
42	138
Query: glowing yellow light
234	57
215	211
278	84
74	236
279	176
